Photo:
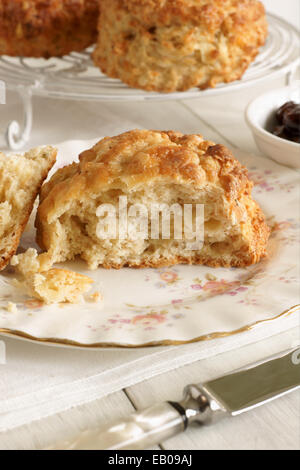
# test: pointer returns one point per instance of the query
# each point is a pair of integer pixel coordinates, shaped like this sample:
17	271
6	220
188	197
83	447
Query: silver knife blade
257	384
205	403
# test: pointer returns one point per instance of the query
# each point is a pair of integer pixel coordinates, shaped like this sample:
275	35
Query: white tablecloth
39	381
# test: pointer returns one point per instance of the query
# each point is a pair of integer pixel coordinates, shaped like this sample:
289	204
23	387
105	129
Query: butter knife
204	404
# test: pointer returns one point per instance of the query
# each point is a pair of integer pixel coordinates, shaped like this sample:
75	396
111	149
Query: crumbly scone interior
30	262
58	285
20	179
50	285
75	231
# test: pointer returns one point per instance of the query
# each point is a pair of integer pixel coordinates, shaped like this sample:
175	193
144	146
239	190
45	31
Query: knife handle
149	427
138	431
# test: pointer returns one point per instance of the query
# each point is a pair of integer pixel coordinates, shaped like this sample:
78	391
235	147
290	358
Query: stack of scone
159	45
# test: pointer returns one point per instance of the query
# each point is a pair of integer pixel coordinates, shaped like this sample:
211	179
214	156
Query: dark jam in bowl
288	122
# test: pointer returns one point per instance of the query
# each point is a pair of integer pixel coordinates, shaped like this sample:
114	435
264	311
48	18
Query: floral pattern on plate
180	303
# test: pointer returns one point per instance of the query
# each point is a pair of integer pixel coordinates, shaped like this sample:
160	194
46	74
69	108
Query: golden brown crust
4	259
141	158
45	28
169	45
209	13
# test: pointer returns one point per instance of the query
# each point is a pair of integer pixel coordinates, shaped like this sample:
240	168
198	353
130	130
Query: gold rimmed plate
176	305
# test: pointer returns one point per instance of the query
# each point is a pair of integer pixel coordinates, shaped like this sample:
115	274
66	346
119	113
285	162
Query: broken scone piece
57	285
30	262
21	177
49	285
150	168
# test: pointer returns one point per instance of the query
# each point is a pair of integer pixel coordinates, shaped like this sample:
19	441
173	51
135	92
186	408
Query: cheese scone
21	177
46	28
150	168
173	45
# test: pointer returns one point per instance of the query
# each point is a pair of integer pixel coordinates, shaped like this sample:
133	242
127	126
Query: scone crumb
210	277
50	285
30	262
95	297
26	263
57	285
11	307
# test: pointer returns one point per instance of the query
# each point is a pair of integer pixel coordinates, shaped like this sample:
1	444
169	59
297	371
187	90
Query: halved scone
21	177
150	168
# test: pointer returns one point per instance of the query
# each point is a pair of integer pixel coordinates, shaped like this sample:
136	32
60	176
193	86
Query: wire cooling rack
75	77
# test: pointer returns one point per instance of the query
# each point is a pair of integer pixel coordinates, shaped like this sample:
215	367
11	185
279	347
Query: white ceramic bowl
260	117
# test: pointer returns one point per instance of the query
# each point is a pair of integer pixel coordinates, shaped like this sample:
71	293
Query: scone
48	285
21	177
39	28
150	168
169	45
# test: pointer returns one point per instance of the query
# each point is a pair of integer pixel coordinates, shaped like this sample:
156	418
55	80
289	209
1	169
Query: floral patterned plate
174	305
